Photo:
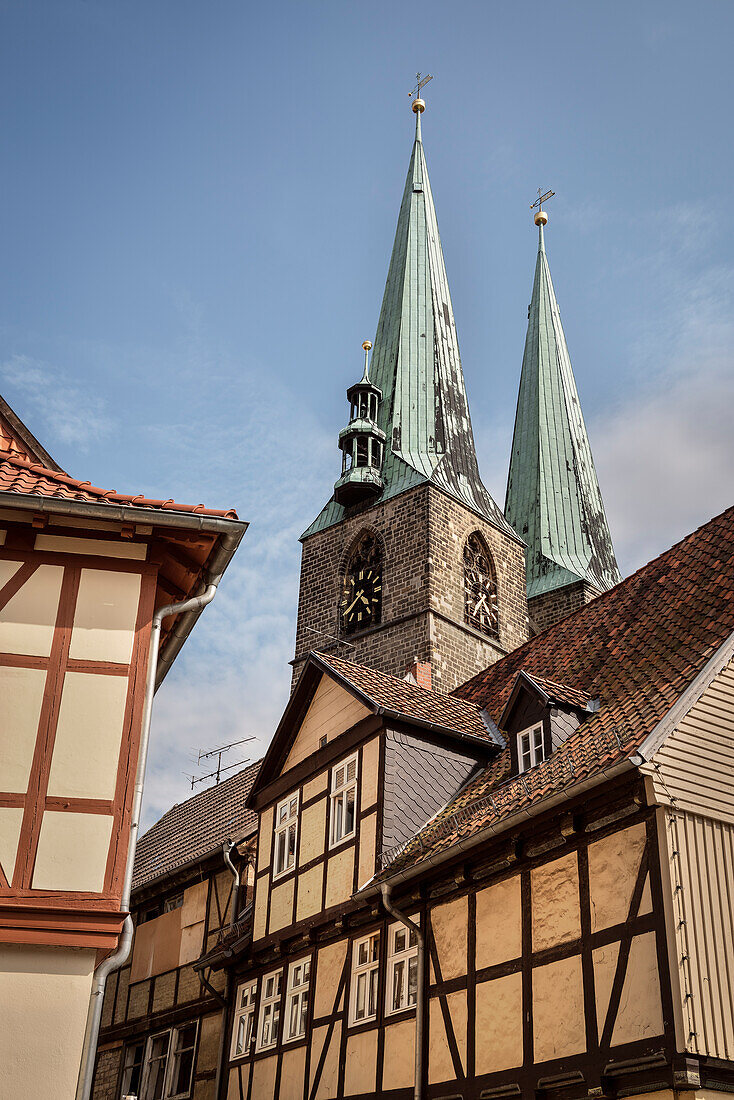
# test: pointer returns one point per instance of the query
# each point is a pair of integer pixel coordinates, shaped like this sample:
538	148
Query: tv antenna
331	637
219	770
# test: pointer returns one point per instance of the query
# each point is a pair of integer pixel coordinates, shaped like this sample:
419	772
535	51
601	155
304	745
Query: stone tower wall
551	607
423	533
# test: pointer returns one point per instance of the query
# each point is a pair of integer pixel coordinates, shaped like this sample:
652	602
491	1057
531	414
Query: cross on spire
541	199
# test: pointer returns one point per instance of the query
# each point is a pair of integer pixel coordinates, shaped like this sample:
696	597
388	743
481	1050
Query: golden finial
541	215
367	345
419	104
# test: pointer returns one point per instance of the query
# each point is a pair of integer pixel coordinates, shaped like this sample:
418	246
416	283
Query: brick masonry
423	533
107	1073
553	606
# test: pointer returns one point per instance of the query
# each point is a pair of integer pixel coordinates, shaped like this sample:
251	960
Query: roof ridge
598	600
399	680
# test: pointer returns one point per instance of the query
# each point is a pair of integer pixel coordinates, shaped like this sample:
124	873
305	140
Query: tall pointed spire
416	364
553	497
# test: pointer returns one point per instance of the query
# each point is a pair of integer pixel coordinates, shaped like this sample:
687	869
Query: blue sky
198	204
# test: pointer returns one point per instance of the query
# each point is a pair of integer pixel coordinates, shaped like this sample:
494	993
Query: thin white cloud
70	415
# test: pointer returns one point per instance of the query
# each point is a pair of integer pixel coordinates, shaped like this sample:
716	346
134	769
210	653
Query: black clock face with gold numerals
362	599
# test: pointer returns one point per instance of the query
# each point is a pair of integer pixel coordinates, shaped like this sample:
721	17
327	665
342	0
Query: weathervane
418	103
541	217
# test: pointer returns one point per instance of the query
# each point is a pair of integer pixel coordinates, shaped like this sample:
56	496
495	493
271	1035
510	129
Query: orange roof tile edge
32	479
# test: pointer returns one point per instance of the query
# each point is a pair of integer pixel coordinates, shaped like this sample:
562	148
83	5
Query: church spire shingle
424	411
553	497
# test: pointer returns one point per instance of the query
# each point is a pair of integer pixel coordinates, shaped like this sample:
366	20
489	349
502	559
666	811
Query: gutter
374	888
225	1000
420	1014
193	606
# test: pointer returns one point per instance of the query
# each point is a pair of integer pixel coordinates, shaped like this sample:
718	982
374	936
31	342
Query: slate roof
424	410
26	478
553	496
409	700
194	829
637	648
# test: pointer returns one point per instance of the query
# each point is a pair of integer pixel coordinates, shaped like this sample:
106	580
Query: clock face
362	599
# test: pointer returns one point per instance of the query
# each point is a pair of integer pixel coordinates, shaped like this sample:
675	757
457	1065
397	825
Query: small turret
362	443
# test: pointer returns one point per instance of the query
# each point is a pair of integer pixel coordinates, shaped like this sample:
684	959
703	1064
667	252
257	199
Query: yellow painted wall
499	1024
292	1072
558	1010
328	972
449	924
613	865
367	853
313	832
340	876
499	923
361	1063
370	772
281	905
555	902
399	1061
309	892
48	989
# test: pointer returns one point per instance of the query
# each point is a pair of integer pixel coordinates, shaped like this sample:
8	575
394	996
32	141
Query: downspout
114	962
420	1017
227	853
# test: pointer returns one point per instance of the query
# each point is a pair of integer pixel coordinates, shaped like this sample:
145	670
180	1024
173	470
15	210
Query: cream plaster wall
48	989
292	1073
72	851
313	832
328	972
340	876
499	923
265	839
361	1063
281	905
328	1084
317	785
558	1009
21	695
399	1059
88	736
309	892
640	1014
104	621
367	835
27	620
440	1064
555	902
370	772
499	1024
263	1077
613	865
449	923
259	922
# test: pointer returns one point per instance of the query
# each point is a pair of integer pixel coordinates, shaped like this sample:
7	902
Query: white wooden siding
695	764
700	861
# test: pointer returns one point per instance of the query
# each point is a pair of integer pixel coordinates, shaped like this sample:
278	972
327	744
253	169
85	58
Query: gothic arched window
361	603
480	587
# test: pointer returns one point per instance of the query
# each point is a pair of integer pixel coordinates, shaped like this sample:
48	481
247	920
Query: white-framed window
296	1010
402	968
269	1010
244	1018
365	978
530	747
286	835
343	801
132	1069
167	1068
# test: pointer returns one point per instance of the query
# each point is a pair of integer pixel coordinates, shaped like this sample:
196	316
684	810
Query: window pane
374	974
338	818
375	945
360	996
182	1071
363	952
349	814
293	1025
413	981
397	984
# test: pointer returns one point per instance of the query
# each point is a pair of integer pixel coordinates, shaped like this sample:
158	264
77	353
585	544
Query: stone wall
423	532
106	1073
553	606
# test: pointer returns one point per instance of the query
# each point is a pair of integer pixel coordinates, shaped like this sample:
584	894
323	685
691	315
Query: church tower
411	560
553	497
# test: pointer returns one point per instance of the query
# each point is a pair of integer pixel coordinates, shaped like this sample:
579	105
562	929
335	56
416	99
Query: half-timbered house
83	572
161	1023
520	889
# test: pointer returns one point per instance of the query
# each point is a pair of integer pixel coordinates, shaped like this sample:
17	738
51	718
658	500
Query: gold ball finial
418	106
367	345
541	218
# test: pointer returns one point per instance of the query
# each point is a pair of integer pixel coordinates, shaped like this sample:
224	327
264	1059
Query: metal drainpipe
114	962
421	983
227	852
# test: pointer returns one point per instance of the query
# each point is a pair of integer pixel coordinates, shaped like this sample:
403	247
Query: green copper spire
424	411
553	497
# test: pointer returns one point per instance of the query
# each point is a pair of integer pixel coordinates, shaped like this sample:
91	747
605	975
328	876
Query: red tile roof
27	478
637	648
194	829
410	700
562	693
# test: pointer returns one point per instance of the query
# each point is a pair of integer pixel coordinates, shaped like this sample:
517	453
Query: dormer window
530	748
